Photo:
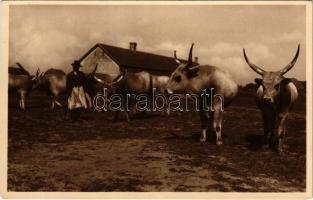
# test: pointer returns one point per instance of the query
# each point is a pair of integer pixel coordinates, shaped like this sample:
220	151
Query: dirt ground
150	153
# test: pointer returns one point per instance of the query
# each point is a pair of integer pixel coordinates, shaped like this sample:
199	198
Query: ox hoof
202	139
219	142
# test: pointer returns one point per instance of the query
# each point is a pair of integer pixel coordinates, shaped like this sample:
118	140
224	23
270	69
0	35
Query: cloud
223	48
295	36
54	36
47	50
235	66
182	49
229	57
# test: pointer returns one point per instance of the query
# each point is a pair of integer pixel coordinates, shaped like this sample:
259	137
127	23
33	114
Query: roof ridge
154	54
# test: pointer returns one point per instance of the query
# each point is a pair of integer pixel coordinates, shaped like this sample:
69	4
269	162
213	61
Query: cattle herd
275	94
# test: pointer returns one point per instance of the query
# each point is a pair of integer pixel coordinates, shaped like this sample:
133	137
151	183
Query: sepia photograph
175	97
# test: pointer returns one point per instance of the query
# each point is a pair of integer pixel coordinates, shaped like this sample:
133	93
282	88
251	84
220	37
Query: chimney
196	60
132	46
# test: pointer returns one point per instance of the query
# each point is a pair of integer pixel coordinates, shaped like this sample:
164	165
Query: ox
22	82
53	82
194	80
275	97
127	83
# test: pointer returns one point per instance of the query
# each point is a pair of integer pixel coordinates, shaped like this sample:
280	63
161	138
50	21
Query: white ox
22	83
193	80
143	82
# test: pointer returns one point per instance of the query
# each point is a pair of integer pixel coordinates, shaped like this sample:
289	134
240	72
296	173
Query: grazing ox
22	82
53	82
275	97
129	83
194	80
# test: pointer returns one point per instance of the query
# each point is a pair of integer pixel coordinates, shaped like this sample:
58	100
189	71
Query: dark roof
127	58
55	72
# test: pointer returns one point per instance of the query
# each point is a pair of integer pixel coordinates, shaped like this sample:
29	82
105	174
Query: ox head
93	81
34	78
183	76
271	82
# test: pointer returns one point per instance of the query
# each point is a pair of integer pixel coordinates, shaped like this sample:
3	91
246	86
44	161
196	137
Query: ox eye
177	79
277	86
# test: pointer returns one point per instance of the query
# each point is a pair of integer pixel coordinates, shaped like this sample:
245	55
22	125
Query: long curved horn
42	74
189	64
118	78
176	59
291	64
36	76
22	68
253	66
99	80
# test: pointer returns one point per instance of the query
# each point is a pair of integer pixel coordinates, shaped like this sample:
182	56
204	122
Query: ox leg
52	103
127	116
129	108
217	125
55	102
266	127
167	110
205	122
22	100
281	131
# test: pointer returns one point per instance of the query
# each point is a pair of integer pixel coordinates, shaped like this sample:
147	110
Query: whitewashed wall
105	64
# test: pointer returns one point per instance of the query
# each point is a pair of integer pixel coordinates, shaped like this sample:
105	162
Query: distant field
151	153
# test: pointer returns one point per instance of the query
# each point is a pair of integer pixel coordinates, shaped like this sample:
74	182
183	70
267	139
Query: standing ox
53	82
129	84
194	80
275	97
22	82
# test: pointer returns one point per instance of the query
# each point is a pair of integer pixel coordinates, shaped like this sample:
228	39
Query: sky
45	36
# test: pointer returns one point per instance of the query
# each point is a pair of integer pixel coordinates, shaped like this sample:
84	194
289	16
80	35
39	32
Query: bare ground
150	153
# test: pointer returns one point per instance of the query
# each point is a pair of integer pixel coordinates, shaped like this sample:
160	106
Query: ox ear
258	81
192	72
285	81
